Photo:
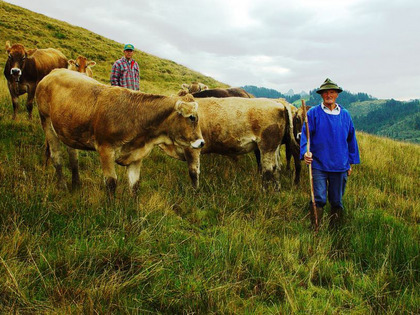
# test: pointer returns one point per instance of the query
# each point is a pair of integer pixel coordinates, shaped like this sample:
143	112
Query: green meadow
226	248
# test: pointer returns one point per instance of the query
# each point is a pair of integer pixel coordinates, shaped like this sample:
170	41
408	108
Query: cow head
17	59
298	121
194	87
81	64
185	130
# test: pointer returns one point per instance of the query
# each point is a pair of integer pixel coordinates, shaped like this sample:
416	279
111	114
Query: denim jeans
333	182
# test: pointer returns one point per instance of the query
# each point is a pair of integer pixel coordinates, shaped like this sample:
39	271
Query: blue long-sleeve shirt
332	140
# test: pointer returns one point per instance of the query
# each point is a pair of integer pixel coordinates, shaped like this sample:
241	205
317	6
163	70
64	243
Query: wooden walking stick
311	179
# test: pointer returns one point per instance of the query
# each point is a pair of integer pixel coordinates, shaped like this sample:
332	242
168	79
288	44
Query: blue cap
128	47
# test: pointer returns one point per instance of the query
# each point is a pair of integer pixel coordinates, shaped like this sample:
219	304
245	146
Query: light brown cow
233	126
194	87
82	65
122	125
25	68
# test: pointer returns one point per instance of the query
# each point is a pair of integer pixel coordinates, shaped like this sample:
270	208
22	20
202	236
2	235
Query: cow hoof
135	189
111	186
76	186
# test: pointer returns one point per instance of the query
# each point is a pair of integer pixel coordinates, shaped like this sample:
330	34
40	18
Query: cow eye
192	118
10	56
77	65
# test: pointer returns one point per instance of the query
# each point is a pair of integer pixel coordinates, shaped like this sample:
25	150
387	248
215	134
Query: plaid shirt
126	73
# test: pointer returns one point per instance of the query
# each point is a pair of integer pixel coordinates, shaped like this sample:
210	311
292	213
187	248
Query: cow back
221	93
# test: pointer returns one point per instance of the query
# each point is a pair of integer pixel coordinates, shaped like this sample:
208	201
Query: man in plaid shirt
126	71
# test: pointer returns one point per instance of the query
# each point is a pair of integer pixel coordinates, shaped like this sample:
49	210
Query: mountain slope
35	30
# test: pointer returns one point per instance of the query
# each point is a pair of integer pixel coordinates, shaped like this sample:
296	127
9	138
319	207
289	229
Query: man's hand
308	158
349	171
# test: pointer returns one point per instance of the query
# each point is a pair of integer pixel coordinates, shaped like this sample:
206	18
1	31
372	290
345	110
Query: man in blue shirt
333	149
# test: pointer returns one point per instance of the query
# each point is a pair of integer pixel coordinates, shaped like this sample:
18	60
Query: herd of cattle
123	126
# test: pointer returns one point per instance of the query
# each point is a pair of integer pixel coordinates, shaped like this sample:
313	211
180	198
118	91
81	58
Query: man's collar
336	110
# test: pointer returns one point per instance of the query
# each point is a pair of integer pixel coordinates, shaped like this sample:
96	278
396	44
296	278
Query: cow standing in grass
25	68
233	126
122	125
82	65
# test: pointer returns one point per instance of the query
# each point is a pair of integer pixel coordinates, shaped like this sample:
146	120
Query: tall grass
229	247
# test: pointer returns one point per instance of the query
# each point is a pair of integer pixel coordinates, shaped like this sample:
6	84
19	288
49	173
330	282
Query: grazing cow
82	65
25	68
220	93
120	124
233	126
194	87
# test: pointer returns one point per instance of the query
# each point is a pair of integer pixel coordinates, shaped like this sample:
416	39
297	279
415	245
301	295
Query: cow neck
154	109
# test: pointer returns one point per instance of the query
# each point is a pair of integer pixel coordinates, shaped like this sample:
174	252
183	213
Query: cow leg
193	159
270	169
74	167
288	156
133	172
258	159
298	166
30	100
269	148
107	156
53	149
15	102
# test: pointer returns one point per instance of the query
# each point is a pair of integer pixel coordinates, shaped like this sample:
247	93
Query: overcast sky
369	46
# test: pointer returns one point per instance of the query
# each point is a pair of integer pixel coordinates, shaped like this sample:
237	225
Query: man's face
329	97
128	53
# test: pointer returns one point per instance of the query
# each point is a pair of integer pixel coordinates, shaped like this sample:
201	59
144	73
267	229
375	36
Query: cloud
364	45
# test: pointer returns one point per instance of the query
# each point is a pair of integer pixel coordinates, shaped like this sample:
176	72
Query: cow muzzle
16	73
198	144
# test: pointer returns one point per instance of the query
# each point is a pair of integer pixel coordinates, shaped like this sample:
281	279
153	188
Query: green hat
128	47
329	85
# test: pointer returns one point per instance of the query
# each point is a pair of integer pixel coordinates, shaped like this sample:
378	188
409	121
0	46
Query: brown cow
25	68
233	126
194	87
297	128
122	125
82	65
220	93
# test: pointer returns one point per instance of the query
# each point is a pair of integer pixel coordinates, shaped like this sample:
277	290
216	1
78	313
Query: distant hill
271	93
390	118
35	30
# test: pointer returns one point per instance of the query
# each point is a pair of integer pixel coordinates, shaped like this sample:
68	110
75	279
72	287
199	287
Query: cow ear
91	63
71	62
8	47
30	52
185	86
182	93
186	109
203	87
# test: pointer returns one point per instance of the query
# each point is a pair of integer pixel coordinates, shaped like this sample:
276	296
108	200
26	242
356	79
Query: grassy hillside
38	31
391	118
228	248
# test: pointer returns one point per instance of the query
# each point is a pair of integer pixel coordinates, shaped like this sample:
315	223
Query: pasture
227	248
